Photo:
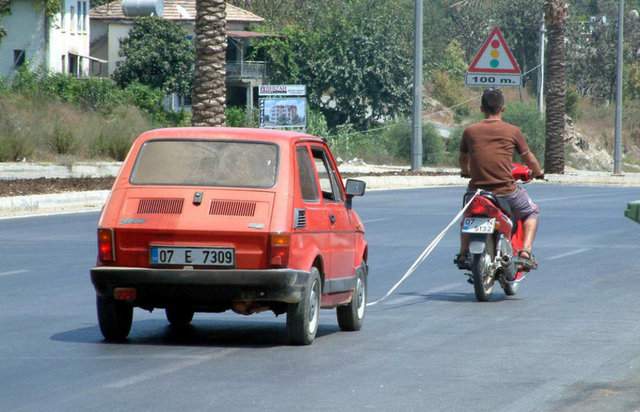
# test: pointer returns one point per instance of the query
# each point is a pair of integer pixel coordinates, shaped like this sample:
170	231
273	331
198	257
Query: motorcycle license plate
197	256
478	225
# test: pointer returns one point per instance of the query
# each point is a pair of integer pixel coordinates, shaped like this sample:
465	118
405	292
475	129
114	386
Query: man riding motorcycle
486	153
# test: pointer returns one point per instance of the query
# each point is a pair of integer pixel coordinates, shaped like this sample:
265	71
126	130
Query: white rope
425	253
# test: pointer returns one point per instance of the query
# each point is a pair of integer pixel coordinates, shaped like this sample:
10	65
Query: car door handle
332	218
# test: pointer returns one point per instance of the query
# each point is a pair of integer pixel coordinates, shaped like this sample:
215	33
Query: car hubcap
313	308
360	297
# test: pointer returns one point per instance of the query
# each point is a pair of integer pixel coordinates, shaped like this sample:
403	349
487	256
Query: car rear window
206	163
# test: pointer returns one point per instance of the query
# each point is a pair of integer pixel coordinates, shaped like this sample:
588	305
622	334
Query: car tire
114	318
179	316
351	316
303	317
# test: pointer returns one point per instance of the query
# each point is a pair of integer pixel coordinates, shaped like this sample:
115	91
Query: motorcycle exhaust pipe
509	266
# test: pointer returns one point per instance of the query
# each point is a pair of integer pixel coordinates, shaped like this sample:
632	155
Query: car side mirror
353	188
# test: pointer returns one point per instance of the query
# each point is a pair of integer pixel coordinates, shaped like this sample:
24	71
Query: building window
72	18
79	21
84	16
18	58
63	15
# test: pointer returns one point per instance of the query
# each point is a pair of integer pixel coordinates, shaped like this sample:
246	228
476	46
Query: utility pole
541	67
617	154
416	135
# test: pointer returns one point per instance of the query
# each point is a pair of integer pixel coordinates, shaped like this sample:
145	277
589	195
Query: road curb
58	202
72	201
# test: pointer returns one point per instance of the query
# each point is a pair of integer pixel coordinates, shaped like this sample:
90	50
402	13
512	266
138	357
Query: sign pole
617	156
541	68
416	135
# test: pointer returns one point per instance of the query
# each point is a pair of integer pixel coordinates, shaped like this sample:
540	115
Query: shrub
236	117
433	146
317	124
62	141
528	119
114	147
14	147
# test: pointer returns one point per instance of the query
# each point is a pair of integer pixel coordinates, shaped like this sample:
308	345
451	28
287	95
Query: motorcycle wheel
483	277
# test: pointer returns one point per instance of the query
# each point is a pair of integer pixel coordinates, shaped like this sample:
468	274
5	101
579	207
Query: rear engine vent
168	206
300	219
232	208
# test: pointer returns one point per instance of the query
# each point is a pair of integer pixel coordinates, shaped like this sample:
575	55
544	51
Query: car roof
229	133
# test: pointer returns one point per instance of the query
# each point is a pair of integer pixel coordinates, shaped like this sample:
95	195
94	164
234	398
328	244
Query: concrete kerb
94	200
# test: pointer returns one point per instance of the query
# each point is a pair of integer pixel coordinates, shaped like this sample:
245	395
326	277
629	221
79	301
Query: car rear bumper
162	287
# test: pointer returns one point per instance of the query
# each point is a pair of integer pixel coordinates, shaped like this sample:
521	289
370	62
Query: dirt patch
24	187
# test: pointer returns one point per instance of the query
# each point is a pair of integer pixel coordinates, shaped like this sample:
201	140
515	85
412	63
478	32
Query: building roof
174	10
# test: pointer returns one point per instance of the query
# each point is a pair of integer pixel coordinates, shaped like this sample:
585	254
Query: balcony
246	70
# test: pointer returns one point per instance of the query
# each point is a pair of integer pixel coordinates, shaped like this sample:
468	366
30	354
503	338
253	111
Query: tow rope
426	252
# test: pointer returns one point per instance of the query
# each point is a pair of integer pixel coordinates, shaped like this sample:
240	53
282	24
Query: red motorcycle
495	238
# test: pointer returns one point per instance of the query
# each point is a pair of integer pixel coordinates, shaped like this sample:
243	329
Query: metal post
416	136
617	157
541	67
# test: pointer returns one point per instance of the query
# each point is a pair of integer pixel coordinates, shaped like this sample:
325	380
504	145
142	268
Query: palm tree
209	93
555	17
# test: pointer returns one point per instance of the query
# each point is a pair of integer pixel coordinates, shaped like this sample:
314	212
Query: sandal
530	261
462	261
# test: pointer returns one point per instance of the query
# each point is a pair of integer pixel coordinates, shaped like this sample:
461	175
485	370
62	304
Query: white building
59	42
109	25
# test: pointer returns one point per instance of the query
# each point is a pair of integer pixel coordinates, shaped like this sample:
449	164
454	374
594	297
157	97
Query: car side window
306	176
327	175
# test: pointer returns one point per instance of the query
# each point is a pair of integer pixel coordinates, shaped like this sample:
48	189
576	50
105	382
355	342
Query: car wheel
179	316
303	317
351	316
114	318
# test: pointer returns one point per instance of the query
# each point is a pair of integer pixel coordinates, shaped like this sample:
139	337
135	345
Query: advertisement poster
278	112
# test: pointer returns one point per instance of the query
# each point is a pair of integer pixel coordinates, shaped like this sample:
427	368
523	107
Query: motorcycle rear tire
483	276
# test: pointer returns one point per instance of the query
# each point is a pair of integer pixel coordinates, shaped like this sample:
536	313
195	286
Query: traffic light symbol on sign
494	56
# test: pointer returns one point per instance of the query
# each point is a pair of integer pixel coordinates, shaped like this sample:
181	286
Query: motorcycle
495	239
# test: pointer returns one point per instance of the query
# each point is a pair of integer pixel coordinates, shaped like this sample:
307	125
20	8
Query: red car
211	219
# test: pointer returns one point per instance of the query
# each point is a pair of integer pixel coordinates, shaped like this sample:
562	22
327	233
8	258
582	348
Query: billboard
278	112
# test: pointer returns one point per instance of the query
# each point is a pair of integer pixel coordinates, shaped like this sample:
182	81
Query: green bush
62	141
528	119
433	145
571	101
114	147
236	117
14	147
317	124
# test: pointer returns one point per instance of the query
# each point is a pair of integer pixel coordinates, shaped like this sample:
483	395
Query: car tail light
105	245
279	245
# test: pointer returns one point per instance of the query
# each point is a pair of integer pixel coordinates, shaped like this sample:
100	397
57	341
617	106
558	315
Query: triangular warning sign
494	56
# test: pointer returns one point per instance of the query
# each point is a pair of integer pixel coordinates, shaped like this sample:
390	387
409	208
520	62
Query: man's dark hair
492	101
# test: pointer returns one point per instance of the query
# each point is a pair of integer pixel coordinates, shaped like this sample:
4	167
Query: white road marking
554	199
376	220
14	272
563	255
152	374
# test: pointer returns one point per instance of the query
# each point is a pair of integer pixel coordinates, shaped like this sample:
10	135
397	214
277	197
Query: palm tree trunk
209	92
554	156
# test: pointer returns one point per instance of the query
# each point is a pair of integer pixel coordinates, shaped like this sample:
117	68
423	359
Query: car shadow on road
200	333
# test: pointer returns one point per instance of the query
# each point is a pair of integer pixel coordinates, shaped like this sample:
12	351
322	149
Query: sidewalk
371	174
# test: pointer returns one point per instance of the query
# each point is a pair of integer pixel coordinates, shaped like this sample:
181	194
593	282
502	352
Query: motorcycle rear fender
478	244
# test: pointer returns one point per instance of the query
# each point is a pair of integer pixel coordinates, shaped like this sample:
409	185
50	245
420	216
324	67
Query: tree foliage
157	53
354	58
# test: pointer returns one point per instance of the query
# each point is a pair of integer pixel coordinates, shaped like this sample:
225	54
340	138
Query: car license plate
478	225
196	256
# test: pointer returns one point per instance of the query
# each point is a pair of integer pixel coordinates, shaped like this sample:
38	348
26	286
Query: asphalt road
569	340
